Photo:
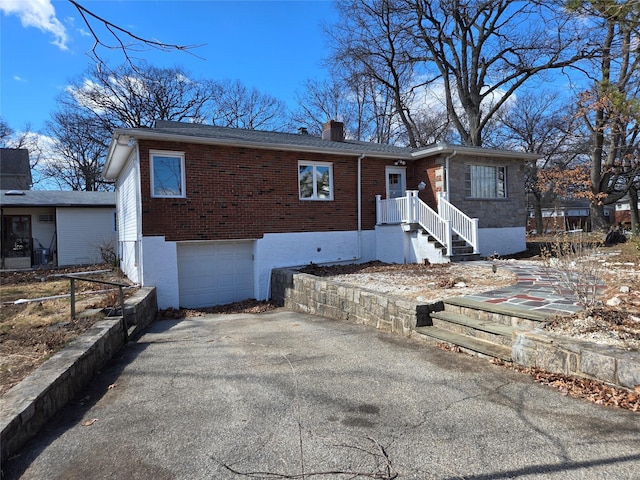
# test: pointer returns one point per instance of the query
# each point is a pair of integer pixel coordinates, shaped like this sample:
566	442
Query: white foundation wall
160	270
503	241
277	250
129	260
160	259
393	244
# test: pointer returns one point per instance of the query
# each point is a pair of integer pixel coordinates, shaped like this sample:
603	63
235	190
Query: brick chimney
333	131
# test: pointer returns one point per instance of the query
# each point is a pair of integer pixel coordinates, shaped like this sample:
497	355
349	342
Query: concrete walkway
538	288
291	394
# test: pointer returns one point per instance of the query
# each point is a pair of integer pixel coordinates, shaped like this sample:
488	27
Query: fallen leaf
88	423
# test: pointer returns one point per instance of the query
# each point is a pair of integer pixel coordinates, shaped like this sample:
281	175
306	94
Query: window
315	181
483	181
167	174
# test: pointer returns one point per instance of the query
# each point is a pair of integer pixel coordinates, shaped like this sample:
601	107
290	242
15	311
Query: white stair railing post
414	206
378	209
449	234
408	208
474	234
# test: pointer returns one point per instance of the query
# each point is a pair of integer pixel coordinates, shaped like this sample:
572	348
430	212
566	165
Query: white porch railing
465	226
410	209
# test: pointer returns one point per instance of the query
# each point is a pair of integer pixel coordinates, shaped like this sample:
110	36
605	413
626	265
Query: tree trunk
633	211
599	222
537	211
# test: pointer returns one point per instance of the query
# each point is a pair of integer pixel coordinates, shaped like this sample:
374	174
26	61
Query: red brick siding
426	170
235	193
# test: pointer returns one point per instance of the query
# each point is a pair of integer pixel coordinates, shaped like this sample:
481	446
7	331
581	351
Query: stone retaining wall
29	405
309	294
573	357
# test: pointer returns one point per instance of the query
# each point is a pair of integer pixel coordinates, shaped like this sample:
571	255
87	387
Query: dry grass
32	332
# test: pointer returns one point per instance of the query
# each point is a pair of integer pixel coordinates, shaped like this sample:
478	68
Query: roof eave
119	152
447	149
262	145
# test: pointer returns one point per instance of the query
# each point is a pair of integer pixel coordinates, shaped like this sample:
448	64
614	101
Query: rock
634	318
460	285
624	289
614	302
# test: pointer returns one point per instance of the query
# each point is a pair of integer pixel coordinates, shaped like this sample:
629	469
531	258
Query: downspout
360	158
446	173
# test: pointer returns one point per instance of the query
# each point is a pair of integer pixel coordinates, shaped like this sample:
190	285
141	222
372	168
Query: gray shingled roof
260	137
56	198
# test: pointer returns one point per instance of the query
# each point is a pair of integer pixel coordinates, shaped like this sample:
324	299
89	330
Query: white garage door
215	273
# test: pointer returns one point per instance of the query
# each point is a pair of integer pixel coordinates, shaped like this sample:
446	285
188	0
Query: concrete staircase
480	328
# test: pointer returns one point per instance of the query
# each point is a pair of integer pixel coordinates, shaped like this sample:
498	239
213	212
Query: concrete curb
29	405
530	348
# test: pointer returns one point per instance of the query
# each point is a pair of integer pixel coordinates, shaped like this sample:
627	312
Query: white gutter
360	158
446	172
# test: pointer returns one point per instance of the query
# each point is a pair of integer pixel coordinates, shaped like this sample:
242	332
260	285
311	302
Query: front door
396	181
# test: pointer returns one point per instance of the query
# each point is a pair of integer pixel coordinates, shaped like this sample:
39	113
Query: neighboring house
15	171
205	213
57	228
566	215
623	212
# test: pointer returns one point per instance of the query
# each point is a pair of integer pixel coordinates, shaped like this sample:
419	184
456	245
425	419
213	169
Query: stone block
628	372
597	365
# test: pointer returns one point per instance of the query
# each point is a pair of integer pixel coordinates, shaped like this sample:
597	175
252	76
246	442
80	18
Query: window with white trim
484	181
167	174
315	180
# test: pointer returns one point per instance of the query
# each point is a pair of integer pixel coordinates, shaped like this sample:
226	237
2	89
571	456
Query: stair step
482	325
467	343
498	309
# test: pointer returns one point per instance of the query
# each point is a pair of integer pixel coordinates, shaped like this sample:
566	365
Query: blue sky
274	46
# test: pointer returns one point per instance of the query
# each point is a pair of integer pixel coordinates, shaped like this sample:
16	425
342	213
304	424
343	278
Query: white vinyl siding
81	233
127	201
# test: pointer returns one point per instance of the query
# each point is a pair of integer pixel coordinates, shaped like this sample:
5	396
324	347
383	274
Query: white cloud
19	79
39	14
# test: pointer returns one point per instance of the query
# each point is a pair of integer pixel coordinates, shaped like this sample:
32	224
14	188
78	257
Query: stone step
497	333
496	313
469	344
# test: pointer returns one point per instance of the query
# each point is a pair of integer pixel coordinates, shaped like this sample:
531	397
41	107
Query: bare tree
484	51
610	109
138	96
541	123
110	36
78	151
371	44
235	105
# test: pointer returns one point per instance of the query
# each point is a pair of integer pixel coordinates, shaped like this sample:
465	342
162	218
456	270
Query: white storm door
396	181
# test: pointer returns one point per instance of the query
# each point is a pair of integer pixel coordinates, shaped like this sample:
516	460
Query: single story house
59	228
623	211
205	213
566	215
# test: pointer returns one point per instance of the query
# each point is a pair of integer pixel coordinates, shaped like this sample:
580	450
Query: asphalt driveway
282	394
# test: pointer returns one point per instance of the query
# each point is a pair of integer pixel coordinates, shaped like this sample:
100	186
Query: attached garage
215	273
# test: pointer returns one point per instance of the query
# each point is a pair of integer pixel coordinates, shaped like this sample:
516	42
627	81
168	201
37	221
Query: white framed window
167	174
483	181
315	180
